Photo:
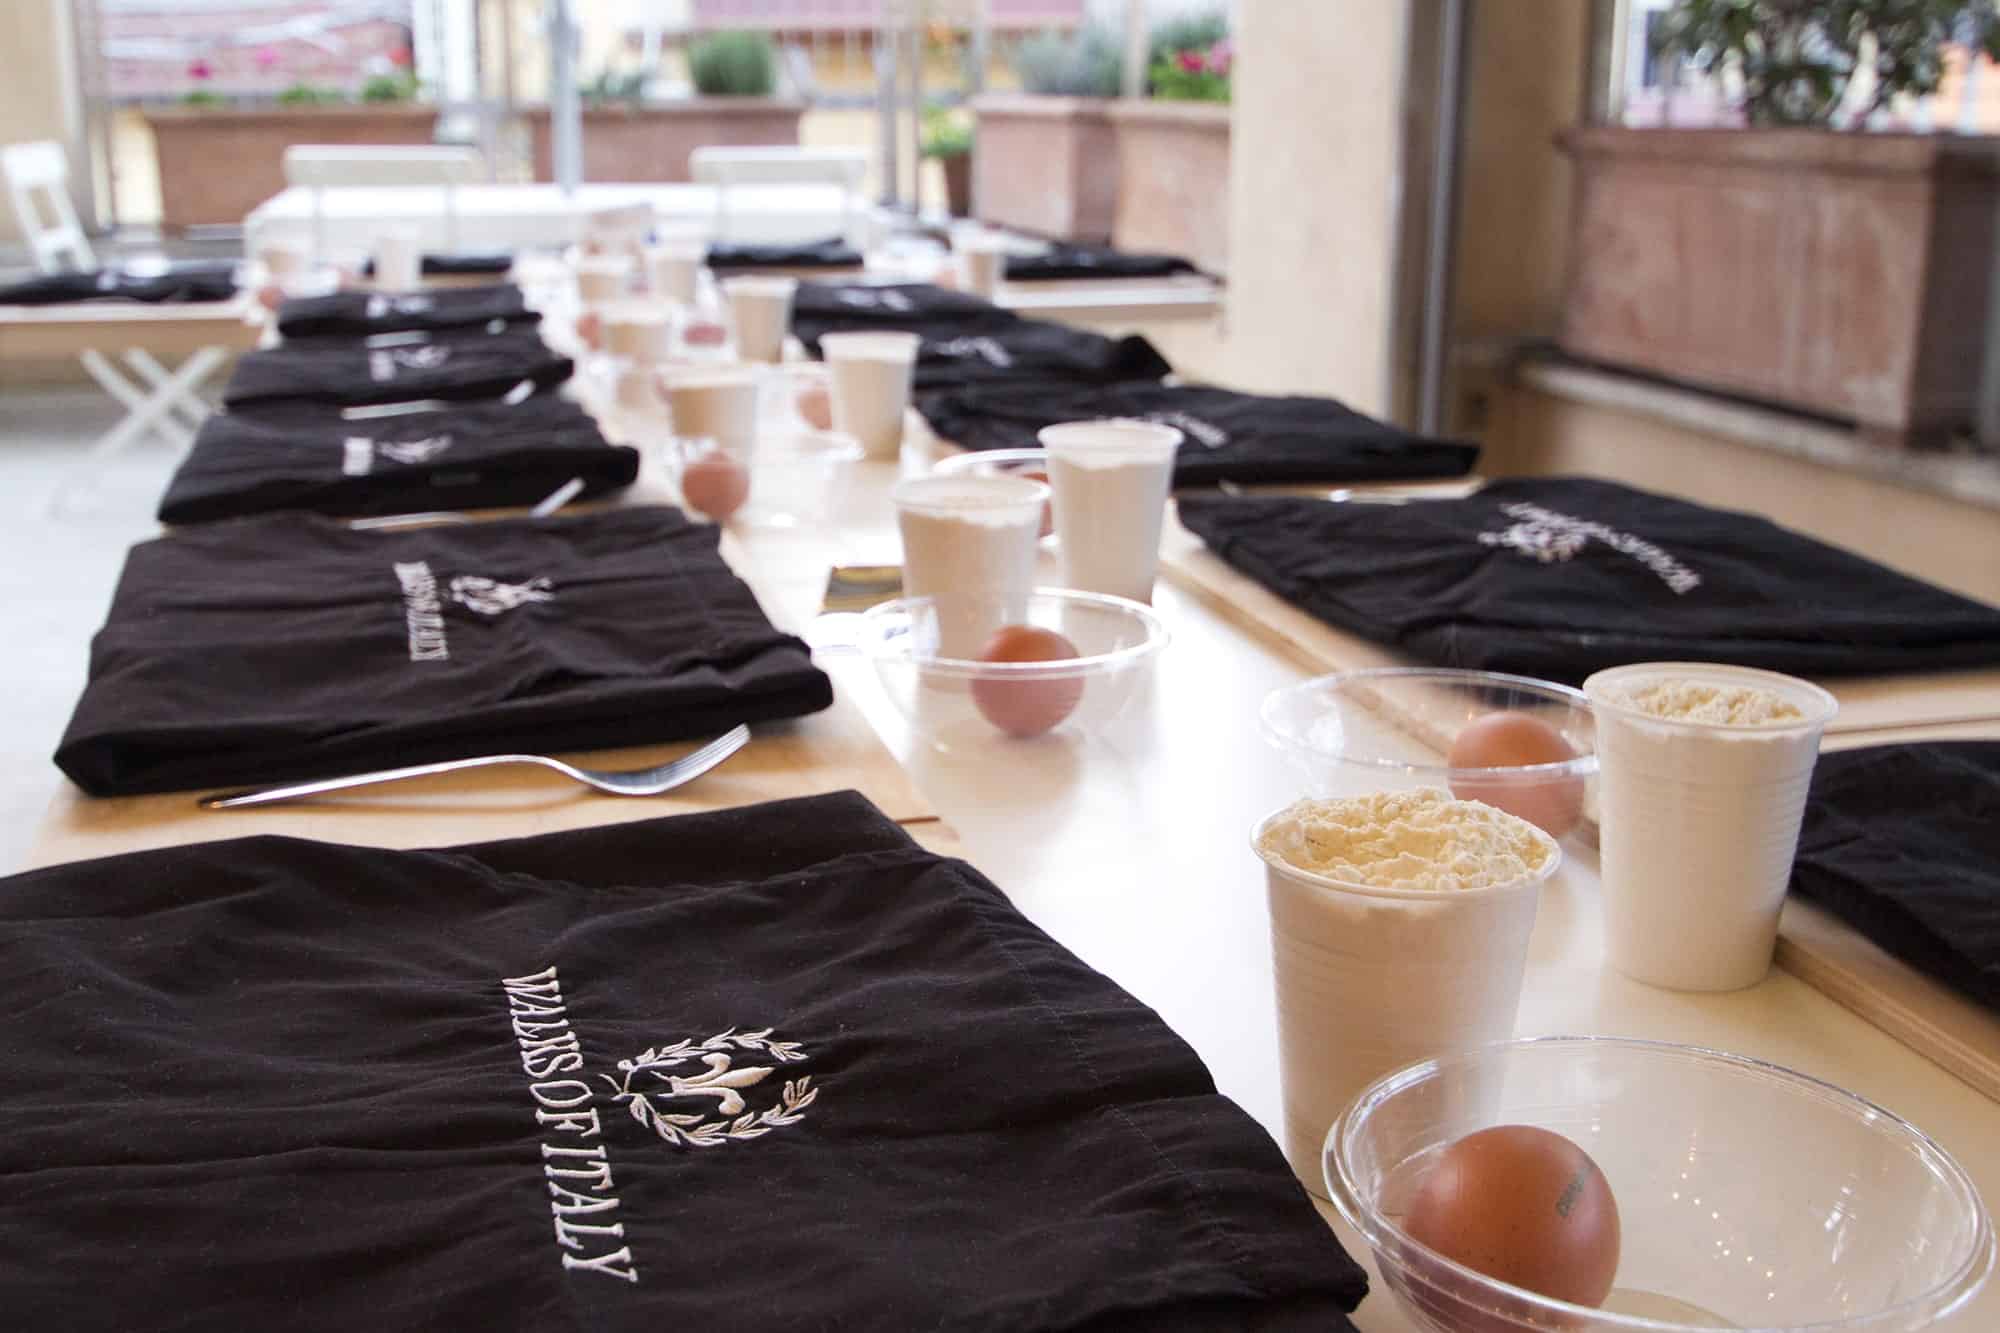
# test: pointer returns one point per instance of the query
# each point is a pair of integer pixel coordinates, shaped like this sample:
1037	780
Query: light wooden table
1133	852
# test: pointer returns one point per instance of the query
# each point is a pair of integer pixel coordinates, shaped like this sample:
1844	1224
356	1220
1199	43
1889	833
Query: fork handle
270	795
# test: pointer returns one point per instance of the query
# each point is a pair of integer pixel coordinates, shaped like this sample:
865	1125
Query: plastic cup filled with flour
1399	932
602	278
1702	778
399	260
635	331
1111	480
969	545
760	310
870	376
673	271
717	402
982	261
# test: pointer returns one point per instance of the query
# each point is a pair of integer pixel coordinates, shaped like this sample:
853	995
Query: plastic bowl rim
1942	1300
1582	766
1157	637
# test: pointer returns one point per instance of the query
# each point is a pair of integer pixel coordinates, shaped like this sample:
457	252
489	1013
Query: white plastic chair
38	184
725	168
320	167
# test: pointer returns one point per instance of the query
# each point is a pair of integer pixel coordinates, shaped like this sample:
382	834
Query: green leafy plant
947	133
1196	75
203	97
1185	32
1800	62
627	86
1081	64
309	94
734	64
398	87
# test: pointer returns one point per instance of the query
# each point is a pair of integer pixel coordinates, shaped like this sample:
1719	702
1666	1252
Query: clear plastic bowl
1030	463
1749	1196
800	477
1392	728
953	703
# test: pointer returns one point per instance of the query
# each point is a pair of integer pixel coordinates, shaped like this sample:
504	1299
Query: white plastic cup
635	333
760	308
285	264
1369	980
399	259
969	545
1697	825
982	261
1111	480
870	377
602	278
673	271
713	402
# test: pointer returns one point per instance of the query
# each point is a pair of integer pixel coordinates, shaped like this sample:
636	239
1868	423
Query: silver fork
633	782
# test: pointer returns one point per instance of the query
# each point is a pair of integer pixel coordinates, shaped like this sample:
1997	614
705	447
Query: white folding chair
38	184
320	167
724	168
157	400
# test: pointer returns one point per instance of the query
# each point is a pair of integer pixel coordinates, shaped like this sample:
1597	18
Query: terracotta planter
1047	165
1845	274
1173	180
957	183
216	164
652	142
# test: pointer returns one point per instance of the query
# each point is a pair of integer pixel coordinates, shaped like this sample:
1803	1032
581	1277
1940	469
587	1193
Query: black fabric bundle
824	307
187	281
305	455
362	313
1032	349
290	646
1064	262
1560	577
1902	842
468	264
455	364
774	1066
1231	436
724	257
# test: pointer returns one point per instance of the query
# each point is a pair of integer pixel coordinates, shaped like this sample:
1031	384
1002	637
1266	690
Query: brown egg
1525	1206
703	333
716	485
816	407
590	328
1513	740
1027	707
270	296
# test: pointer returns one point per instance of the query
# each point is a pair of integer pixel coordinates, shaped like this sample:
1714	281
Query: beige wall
1525	80
37	96
1317	143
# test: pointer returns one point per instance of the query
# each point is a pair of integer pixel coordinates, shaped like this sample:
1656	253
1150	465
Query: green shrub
203	97
734	64
399	87
946	133
308	94
1084	63
1186	32
613	86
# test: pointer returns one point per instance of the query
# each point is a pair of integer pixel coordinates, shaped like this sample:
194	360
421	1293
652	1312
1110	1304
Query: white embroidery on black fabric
423	616
1550	538
357	456
413	451
1205	433
988	350
422	358
723	1081
489	597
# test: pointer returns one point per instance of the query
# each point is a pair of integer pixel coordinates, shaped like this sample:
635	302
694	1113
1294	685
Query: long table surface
1133	851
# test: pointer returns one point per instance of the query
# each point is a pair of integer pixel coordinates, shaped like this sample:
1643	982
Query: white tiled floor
57	571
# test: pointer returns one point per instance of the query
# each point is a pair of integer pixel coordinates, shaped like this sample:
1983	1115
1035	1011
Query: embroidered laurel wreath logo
722	1080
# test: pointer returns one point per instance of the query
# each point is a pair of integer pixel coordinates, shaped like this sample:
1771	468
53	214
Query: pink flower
1221	56
266	57
1190	61
200	71
400	57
